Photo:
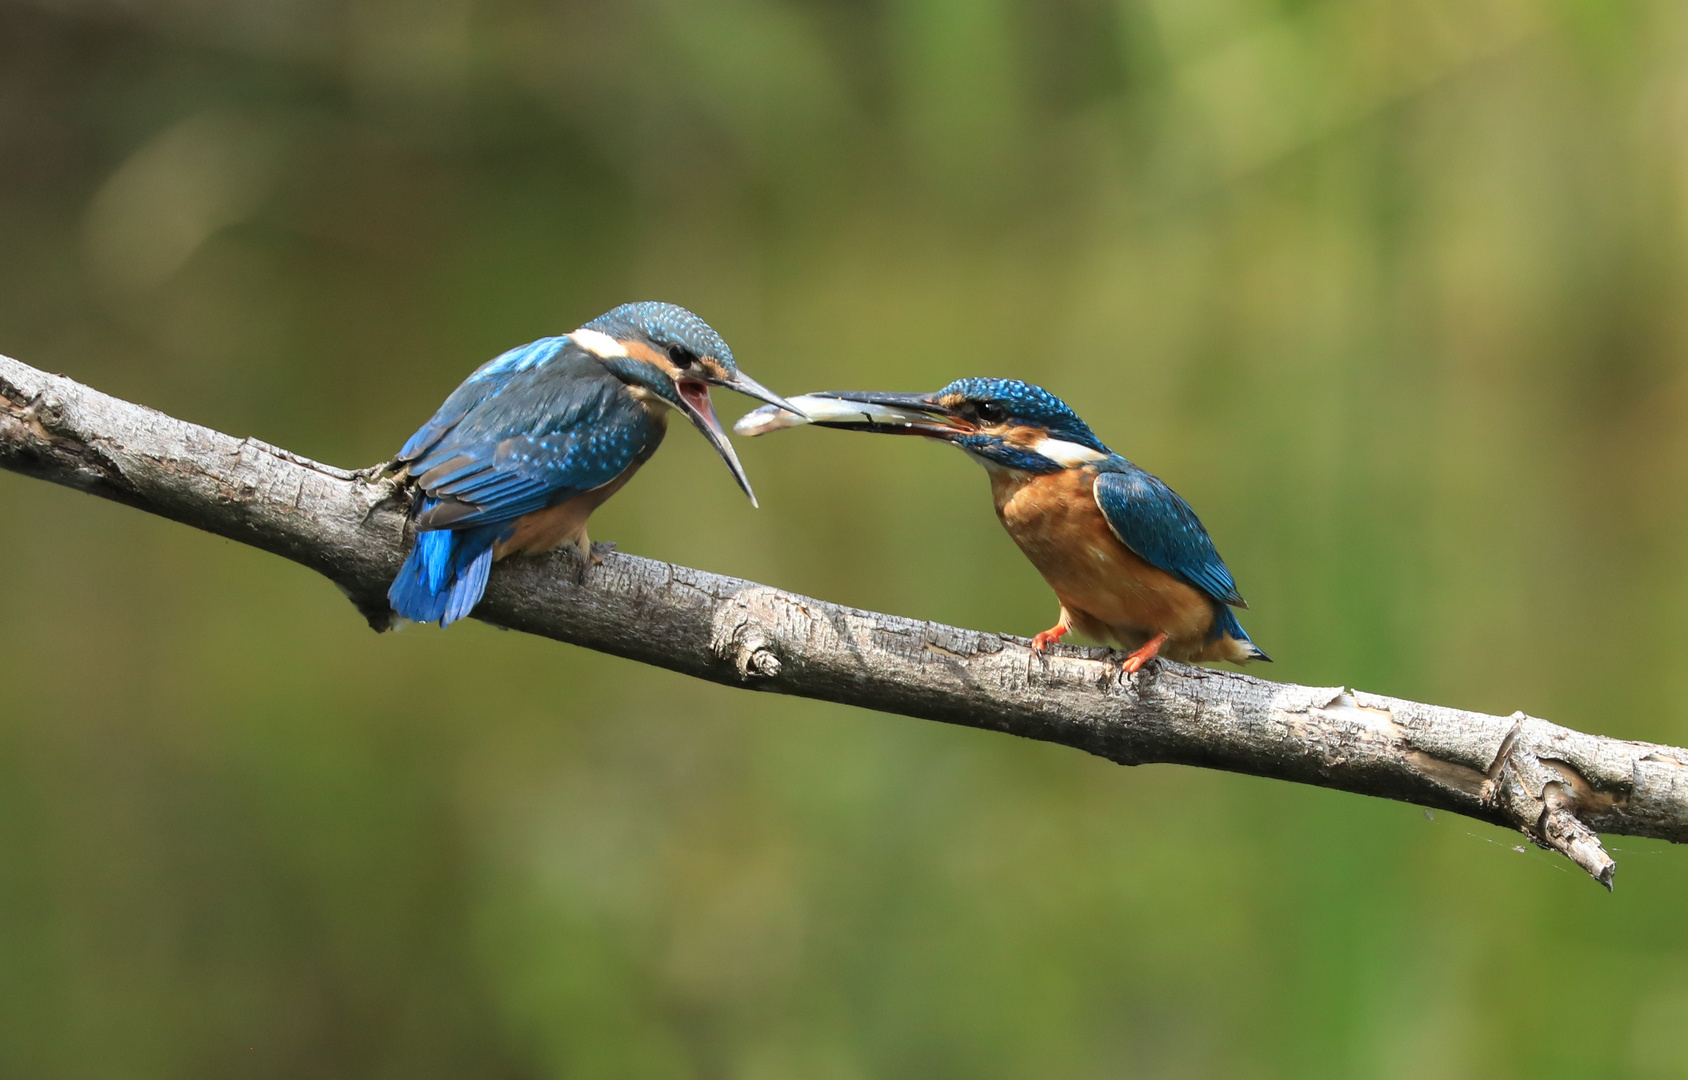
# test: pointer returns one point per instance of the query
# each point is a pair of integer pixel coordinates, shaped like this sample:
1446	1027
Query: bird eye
990	412
683	358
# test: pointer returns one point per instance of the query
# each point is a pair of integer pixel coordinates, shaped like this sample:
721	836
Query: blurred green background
1393	291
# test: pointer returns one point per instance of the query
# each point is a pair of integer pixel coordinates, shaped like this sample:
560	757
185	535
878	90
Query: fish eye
990	412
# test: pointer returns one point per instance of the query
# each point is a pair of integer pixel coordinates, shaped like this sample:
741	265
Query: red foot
1049	637
1134	663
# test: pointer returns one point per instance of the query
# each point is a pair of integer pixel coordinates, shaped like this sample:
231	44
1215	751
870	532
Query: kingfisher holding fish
1128	559
536	439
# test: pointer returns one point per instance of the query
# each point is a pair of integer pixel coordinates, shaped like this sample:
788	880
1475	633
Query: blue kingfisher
1128	559
520	455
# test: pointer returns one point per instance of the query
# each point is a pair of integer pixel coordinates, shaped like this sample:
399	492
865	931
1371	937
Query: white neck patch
1064	453
598	343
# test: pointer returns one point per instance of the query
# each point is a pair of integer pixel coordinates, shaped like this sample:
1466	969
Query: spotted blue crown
1030	405
667	326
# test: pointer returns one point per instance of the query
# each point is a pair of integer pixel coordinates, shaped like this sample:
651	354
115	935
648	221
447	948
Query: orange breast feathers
1107	591
564	523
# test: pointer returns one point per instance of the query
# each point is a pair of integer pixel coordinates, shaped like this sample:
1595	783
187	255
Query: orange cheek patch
638	350
1022	438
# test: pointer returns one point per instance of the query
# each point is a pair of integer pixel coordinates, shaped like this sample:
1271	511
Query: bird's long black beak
749	387
700	411
863	410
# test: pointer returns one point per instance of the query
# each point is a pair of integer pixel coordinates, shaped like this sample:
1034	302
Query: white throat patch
1065	453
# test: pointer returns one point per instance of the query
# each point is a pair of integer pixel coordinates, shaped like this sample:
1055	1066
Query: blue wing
488	381
533	428
1151	520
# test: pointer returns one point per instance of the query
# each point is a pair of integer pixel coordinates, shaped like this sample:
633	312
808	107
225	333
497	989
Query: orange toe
1134	663
1048	638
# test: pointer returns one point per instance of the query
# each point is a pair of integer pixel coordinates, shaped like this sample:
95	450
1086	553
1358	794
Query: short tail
445	575
1225	624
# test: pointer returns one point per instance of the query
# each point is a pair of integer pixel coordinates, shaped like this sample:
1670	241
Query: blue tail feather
445	575
433	553
471	583
1225	624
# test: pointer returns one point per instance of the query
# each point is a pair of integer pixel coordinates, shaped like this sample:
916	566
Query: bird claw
1135	662
1047	638
371	473
593	556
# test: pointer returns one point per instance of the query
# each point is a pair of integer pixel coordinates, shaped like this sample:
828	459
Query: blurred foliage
1392	290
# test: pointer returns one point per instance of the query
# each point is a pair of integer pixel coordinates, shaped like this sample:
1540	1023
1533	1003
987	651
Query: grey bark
1557	786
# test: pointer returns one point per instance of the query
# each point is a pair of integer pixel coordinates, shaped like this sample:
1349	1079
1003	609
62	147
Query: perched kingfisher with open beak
1128	559
520	455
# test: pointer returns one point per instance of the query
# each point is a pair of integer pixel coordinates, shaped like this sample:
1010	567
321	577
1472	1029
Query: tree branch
1555	785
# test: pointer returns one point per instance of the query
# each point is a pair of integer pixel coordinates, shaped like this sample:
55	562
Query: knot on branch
1547	799
1530	781
37	434
743	632
1565	832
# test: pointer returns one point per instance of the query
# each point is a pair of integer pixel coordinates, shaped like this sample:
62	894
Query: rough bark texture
1557	786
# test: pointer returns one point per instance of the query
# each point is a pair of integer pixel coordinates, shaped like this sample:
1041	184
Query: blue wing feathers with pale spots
1151	520
488	381
525	473
533	428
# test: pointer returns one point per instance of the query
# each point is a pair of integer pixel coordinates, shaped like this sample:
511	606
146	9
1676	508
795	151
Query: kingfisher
536	439
1128	559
